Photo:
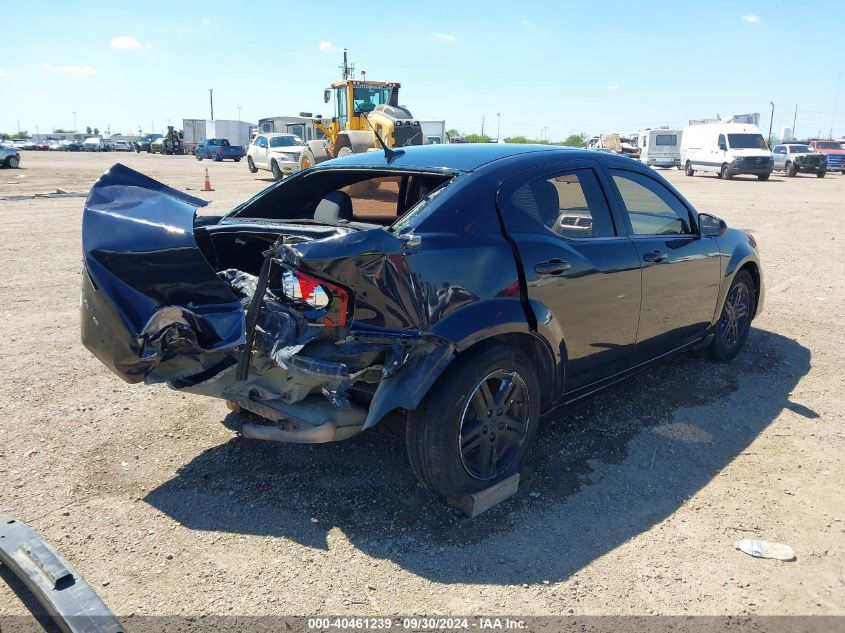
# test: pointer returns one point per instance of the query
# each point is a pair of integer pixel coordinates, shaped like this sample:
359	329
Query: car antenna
389	154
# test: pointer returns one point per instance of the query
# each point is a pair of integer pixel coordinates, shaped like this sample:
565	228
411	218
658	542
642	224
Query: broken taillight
320	294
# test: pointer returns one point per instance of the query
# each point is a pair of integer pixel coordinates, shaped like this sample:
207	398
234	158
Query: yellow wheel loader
362	107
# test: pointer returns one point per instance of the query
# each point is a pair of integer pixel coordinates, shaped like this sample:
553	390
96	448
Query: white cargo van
660	147
726	149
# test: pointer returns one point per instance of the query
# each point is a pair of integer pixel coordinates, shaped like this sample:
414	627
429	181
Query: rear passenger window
651	207
570	204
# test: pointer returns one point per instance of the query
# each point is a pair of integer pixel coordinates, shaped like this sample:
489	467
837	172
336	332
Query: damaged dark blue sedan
469	288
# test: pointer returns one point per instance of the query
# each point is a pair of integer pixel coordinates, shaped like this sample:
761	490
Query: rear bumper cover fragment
59	587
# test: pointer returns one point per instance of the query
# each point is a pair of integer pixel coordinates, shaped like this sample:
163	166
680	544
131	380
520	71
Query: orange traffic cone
207	186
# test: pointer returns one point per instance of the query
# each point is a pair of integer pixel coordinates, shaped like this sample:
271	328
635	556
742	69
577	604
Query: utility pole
498	125
771	103
211	100
74	121
19	126
239	112
482	125
794	119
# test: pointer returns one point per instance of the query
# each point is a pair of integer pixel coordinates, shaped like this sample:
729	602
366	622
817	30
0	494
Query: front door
681	269
582	274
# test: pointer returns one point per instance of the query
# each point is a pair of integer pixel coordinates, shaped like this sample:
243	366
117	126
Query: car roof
275	134
460	156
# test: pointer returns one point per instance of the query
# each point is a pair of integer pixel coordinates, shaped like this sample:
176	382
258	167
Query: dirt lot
632	507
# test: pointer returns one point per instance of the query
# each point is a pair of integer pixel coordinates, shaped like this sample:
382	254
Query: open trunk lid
148	293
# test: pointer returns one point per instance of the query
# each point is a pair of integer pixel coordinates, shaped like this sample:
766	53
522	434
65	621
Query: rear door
681	269
582	275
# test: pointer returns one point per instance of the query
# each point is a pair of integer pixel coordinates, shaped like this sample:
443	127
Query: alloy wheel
735	315
494	424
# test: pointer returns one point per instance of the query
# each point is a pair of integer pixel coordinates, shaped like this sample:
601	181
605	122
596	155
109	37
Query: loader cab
354	98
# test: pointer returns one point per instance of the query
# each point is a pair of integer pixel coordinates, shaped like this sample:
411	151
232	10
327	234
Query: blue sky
566	66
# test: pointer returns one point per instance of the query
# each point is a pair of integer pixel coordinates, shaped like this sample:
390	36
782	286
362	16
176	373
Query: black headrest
335	205
547	200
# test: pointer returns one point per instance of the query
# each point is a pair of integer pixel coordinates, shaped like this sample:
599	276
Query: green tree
88	130
575	140
21	134
96	132
63	131
477	138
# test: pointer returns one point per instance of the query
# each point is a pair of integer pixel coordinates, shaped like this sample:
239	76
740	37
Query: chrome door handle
552	267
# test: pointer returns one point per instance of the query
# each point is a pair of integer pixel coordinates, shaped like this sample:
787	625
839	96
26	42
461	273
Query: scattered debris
764	549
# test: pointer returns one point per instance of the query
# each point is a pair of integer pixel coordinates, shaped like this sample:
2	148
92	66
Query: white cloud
750	17
125	41
3	73
206	21
70	70
613	87
444	36
526	23
325	45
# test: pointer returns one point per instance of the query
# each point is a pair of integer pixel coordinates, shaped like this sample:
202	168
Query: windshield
747	141
375	96
828	145
797	149
285	141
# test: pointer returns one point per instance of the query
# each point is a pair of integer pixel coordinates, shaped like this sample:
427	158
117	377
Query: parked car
123	146
145	141
278	153
10	156
156	146
43	146
94	144
72	145
471	287
834	152
726	149
56	146
793	158
218	149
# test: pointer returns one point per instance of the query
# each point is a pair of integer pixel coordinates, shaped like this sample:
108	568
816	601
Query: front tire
821	174
199	157
13	162
791	169
735	321
726	173
475	426
251	165
688	170
306	159
274	167
763	176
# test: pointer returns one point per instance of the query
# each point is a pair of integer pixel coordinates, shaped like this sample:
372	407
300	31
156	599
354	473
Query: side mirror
711	226
723	147
327	95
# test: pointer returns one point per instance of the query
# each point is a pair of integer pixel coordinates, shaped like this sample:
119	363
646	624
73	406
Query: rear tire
790	169
688	170
735	321
237	160
726	173
763	176
199	157
821	174
251	165
475	426
274	167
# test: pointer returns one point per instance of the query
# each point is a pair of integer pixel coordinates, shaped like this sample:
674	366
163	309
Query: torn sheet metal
54	582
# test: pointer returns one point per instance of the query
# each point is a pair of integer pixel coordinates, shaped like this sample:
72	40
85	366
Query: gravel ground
632	506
